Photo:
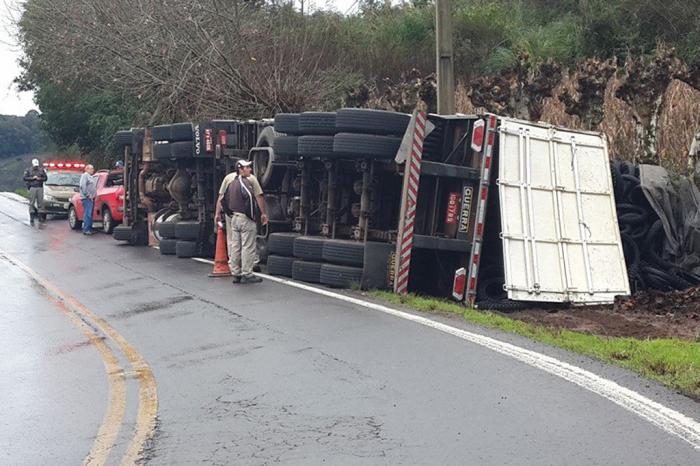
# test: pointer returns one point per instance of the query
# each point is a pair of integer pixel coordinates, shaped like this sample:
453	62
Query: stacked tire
343	263
177	237
308	251
305	135
172	142
280	248
368	134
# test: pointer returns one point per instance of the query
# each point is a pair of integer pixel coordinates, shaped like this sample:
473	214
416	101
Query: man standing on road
34	178
88	192
241	198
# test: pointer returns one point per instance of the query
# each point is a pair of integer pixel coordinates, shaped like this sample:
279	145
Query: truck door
560	236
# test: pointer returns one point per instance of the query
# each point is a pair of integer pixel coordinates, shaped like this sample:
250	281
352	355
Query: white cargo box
560	236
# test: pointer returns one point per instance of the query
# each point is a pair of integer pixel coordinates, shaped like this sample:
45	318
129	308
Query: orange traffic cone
221	268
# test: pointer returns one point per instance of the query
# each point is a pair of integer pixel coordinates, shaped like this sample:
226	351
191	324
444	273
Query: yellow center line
148	394
109	429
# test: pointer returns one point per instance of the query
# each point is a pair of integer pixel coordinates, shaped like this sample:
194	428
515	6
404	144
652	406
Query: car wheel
73	221
107	221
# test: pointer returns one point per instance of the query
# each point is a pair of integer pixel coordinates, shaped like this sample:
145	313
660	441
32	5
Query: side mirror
76	189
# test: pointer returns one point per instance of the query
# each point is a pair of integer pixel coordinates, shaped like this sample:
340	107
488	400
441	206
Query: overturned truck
336	198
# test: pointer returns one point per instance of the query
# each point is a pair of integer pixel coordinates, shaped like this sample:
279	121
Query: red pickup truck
109	203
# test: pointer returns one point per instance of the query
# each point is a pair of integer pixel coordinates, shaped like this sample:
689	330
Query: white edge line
669	420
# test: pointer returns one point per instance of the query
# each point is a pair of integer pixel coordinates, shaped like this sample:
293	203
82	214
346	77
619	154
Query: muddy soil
650	314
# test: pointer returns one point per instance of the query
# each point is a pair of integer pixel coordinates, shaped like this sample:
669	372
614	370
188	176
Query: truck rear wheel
185	249
187	230
358	146
107	221
344	252
309	247
280	265
281	243
366	121
167	247
287	146
166	230
340	276
315	146
316	123
307	271
287	123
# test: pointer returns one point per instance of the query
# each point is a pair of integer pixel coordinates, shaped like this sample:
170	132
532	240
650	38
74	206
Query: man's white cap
35	162
244	163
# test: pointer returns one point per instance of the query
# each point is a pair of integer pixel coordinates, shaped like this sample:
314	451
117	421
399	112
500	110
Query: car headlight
49	197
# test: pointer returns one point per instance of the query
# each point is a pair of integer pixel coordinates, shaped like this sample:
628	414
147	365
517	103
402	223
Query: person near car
88	192
34	178
241	200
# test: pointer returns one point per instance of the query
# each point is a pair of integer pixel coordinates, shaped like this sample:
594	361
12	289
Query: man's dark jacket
29	175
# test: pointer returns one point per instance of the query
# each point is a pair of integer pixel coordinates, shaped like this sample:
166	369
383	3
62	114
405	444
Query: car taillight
222	137
208	141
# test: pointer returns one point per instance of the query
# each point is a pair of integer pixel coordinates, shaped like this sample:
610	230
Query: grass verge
673	362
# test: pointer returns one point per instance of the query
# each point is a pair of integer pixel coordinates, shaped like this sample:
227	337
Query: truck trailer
336	195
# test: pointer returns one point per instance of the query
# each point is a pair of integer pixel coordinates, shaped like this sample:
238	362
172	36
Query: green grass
673	362
22	192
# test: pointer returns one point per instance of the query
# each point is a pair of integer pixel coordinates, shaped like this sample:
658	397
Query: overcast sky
19	103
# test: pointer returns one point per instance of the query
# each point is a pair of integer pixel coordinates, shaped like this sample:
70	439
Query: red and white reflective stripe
413	167
475	259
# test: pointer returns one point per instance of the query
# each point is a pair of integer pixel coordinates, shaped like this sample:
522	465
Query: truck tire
187	230
360	120
185	249
280	265
315	146
173	133
168	247
166	230
287	123
307	271
344	252
174	150
281	243
359	146
340	276
122	233
123	138
286	146
317	123
309	247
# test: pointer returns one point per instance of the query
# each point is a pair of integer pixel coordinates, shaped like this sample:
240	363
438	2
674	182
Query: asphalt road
112	354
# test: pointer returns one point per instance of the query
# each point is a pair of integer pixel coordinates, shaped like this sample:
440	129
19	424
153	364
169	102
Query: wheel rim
72	220
107	221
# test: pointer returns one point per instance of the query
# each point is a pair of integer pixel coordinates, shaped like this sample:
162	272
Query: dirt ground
649	314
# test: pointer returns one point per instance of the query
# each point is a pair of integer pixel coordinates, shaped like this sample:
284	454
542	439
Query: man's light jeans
88	205
240	235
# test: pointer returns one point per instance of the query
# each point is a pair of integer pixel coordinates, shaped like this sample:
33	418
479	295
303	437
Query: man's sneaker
89	233
236	279
251	279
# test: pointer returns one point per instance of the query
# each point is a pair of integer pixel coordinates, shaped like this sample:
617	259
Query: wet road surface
267	374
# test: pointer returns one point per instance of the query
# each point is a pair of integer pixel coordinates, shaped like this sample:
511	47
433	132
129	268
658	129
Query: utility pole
445	59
